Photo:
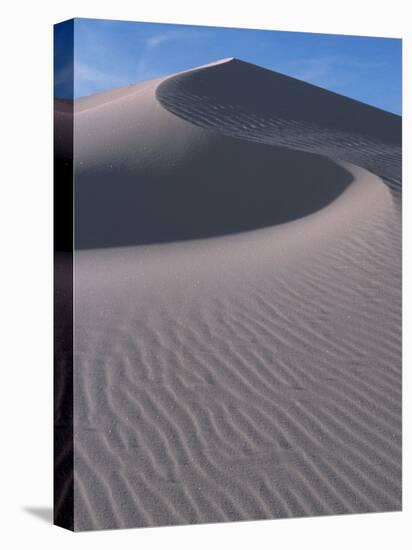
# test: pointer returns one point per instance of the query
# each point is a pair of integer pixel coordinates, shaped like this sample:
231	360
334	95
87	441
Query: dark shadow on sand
229	187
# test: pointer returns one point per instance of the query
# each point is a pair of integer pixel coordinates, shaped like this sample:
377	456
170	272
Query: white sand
252	367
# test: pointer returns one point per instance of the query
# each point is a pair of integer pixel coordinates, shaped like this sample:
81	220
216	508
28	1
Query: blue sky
109	54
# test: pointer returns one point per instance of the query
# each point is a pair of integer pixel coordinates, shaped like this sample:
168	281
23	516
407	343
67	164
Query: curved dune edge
181	193
250	376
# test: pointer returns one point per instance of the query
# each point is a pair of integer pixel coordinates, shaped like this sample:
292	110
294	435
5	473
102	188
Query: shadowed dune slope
63	130
249	102
227	187
249	88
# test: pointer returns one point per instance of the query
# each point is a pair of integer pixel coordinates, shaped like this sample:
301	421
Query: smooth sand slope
237	301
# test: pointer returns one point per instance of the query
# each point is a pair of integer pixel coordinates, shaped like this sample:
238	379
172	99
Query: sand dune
237	302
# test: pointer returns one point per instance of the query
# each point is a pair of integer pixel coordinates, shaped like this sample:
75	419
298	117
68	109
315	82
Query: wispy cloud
64	74
314	69
113	54
88	79
332	70
146	66
157	40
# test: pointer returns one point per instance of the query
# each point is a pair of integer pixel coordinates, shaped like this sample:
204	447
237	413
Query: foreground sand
237	302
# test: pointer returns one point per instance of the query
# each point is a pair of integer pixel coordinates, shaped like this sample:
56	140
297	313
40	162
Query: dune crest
146	199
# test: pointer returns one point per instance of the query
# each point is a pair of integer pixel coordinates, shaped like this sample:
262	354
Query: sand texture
237	301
